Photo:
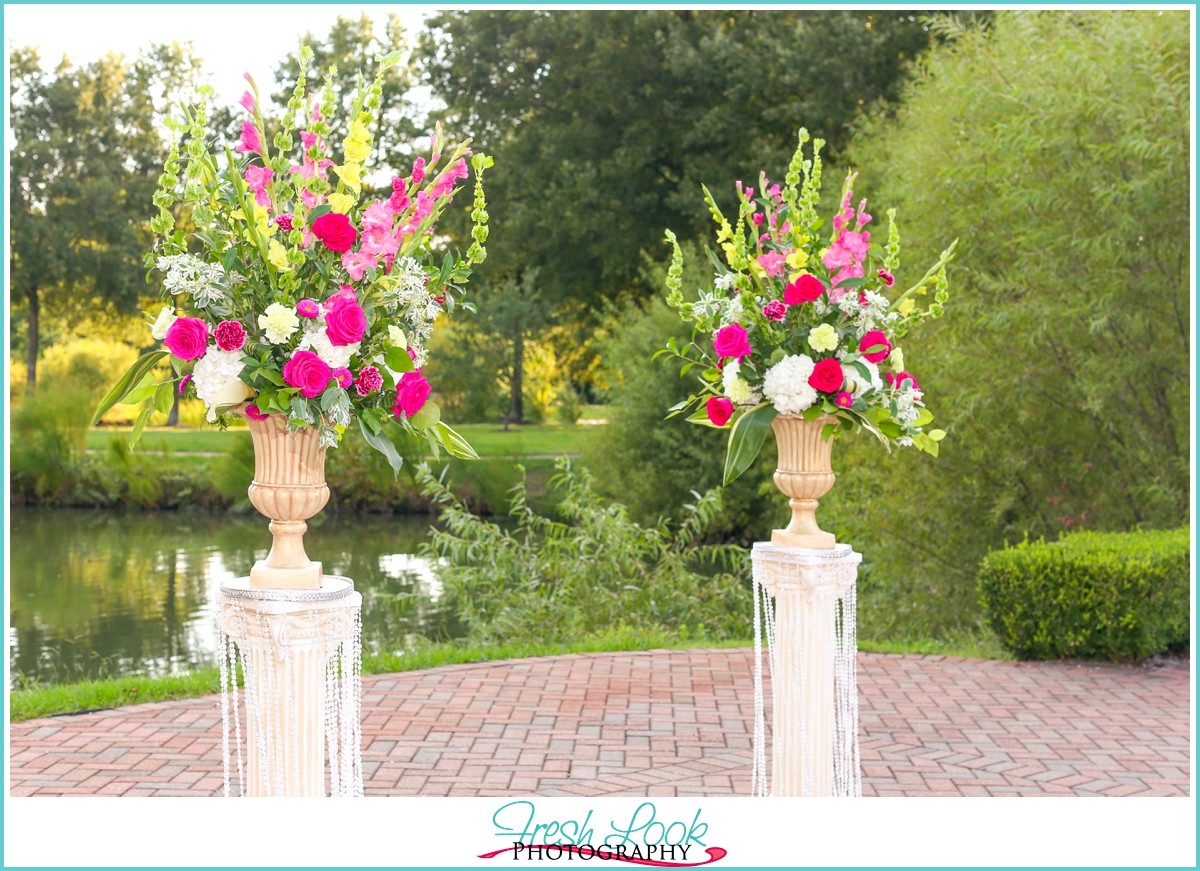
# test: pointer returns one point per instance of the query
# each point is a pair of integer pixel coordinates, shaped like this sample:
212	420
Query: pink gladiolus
247	101
772	262
355	263
308	140
250	141
378	239
310	200
378	213
257	179
345	291
418	171
757	218
411	393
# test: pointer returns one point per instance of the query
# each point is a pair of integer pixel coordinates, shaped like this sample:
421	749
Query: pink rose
187	338
411	393
774	310
806	288
335	231
230	335
308	372
871	340
719	410
346	322
731	341
827	376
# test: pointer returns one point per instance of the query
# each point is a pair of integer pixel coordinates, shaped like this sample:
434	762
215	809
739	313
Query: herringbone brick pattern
669	723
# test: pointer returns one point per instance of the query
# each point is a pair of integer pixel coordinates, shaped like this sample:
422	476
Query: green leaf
711	375
380	442
137	371
746	439
164	398
937	434
398	360
271	375
145	389
812	413
776	355
138	426
323	209
455	444
875	349
700	417
891	429
924	417
429	414
877	414
829	429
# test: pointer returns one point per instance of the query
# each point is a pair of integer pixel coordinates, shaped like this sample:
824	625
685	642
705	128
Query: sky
230	39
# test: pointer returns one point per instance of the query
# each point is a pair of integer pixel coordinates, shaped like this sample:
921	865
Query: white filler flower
278	322
216	379
786	384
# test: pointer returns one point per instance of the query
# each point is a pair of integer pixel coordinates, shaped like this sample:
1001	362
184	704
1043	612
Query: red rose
775	310
719	410
827	376
411	393
806	288
335	231
230	335
874	339
187	338
731	341
308	372
346	322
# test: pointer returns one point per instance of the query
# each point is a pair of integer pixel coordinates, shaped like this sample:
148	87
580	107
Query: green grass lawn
489	439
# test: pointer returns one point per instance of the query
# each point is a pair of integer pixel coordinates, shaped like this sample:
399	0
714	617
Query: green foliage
49	439
1055	146
1092	595
596	570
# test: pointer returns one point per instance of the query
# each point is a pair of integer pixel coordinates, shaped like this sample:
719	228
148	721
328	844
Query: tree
1055	146
513	309
605	124
84	166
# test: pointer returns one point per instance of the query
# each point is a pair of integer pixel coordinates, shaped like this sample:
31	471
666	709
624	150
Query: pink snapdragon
250	140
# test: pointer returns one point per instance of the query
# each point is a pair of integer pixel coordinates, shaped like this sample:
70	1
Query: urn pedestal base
804	475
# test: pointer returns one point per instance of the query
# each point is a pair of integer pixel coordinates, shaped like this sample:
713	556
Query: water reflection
103	594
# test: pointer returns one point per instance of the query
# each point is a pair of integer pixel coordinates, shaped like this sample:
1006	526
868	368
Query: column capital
805	570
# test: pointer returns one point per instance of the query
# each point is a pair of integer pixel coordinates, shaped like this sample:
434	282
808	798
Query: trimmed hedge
1109	596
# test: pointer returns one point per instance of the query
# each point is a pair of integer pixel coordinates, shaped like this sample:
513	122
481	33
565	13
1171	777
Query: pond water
105	594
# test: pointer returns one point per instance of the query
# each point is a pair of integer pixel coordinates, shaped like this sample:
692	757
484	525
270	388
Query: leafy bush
1093	595
597	571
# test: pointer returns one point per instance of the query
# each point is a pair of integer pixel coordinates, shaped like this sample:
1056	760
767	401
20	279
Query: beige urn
804	474
289	488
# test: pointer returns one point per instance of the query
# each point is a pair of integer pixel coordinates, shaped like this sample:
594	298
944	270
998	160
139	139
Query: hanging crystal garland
300	656
805	606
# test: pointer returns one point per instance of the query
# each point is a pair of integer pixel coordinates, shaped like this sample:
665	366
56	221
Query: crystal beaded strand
329	691
222	640
231	650
757	772
355	712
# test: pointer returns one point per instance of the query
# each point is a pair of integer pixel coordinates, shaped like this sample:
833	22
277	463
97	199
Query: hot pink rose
308	372
187	338
346	322
335	231
774	310
411	393
731	341
874	339
719	410
230	335
252	412
806	288
827	376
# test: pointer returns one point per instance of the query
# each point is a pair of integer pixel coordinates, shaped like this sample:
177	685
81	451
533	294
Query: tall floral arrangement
797	322
297	293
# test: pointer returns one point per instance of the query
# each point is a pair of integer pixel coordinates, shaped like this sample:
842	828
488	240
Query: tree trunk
173	414
516	410
31	357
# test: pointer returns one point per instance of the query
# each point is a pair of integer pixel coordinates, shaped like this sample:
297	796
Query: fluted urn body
289	488
804	474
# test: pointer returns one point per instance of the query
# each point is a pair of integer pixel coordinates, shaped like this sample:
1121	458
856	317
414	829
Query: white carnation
166	317
858	385
216	379
278	322
317	340
786	384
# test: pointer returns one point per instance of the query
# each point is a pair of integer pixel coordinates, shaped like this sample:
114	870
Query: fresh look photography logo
645	838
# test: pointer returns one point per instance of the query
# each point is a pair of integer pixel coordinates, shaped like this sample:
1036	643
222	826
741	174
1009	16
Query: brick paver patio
669	723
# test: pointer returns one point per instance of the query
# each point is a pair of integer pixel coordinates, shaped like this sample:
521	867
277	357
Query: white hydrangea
278	322
737	389
216	379
315	339
786	384
854	378
166	317
186	273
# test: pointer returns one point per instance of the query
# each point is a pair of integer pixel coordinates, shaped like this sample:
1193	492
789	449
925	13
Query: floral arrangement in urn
294	295
796	327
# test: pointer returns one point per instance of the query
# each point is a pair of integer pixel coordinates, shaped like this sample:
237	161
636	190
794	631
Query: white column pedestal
806	599
300	652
